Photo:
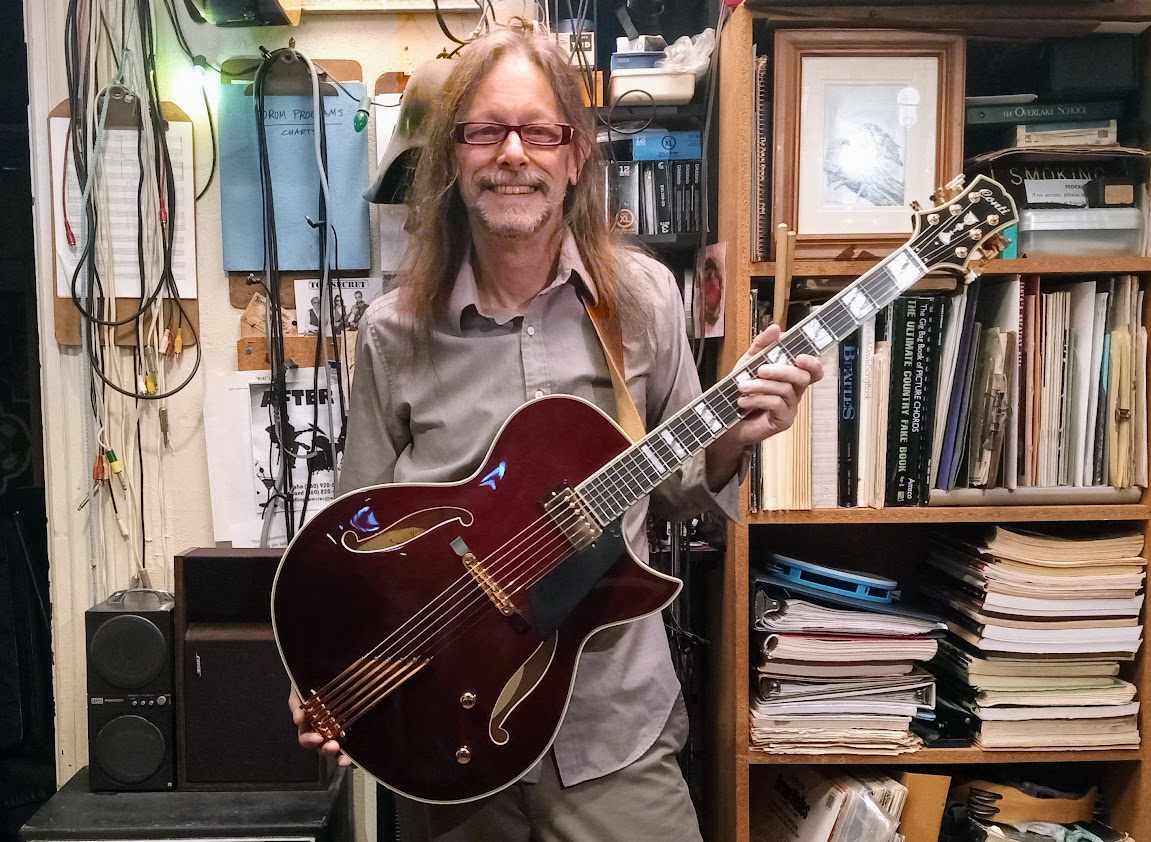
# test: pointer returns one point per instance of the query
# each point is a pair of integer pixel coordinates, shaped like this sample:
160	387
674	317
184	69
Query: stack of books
1045	124
837	679
1039	624
659	190
1028	385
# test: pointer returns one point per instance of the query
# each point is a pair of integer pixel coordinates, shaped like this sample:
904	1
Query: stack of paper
807	804
836	679
1040	622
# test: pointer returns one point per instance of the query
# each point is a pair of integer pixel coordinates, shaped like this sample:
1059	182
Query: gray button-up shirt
432	418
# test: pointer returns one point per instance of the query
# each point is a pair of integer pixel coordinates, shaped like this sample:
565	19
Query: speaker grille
128	651
129	749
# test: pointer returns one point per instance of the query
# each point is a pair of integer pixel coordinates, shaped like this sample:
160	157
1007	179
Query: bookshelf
1124	775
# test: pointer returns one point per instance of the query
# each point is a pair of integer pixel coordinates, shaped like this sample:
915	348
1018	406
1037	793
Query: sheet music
120	220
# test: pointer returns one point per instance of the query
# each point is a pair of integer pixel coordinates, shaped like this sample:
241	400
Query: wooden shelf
955	514
1028	265
930	756
677	242
1122	775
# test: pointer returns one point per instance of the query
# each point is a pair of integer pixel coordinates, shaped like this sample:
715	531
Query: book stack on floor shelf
836	674
1039	624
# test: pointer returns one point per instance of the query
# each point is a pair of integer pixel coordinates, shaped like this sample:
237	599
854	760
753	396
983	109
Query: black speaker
131	725
234	729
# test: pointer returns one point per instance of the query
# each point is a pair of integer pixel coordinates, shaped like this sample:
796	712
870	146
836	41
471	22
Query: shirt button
531	331
540	393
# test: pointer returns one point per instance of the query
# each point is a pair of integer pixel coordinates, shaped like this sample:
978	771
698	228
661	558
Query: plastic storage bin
1080	231
640	86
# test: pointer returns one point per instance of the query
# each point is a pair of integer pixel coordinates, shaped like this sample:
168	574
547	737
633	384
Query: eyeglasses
536	134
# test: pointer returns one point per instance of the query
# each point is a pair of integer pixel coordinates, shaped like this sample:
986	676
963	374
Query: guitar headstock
962	231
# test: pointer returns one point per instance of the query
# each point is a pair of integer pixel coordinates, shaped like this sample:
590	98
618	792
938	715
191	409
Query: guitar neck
613	489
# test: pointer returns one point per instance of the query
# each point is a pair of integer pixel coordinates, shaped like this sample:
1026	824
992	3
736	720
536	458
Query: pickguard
558	593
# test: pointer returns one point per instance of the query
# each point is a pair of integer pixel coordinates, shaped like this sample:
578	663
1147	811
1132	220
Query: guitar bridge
484	579
568	512
321	719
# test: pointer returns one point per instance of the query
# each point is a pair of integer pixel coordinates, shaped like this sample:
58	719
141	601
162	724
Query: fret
639	468
905	268
780	354
722	405
678	449
687	429
646	450
795	344
857	302
642	466
817	332
627	467
881	286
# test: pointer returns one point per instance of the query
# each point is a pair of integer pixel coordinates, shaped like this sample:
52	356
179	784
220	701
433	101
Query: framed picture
866	122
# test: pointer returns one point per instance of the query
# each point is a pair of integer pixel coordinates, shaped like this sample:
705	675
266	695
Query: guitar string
830	323
558	539
522	564
834	329
381	673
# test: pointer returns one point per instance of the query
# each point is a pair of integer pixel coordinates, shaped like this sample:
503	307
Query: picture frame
865	122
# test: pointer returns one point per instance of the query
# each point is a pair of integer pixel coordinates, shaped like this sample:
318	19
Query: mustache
489	182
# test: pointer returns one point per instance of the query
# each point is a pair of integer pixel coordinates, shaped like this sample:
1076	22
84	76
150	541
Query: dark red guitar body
441	735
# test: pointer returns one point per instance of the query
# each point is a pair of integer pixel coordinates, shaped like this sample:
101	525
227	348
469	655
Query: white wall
85	567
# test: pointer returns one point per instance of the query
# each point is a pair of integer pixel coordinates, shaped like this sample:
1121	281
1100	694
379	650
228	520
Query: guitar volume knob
463	755
468	700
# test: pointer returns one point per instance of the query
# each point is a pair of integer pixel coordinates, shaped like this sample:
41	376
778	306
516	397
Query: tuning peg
995	245
915	206
949	190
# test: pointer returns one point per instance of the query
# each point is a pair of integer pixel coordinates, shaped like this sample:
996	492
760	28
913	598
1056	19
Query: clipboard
291	78
67	319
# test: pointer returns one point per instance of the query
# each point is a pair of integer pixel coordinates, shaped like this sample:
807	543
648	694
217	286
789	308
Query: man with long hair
509	238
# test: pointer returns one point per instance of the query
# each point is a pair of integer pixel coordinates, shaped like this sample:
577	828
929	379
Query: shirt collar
465	293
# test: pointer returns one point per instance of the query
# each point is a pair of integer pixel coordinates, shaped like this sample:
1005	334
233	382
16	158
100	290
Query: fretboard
609	492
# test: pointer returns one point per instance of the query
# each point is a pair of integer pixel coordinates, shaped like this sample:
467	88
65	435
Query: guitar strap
611	338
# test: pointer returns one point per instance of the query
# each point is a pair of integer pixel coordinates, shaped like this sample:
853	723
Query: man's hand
310	739
770	400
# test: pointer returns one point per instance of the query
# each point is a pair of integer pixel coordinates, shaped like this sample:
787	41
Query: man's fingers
765	338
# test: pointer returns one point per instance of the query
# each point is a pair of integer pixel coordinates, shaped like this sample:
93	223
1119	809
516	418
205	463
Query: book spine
1053	112
928	342
697	197
623	195
849	409
663	200
647	200
899	462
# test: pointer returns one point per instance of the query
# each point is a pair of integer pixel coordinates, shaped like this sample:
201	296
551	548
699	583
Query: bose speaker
131	732
235	730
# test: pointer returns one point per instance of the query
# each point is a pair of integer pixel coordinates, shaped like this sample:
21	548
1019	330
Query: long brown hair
439	225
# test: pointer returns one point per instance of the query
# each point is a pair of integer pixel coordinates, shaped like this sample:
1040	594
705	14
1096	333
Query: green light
360	120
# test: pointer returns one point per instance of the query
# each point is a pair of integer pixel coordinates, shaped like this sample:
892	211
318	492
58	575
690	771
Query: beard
513	216
514	222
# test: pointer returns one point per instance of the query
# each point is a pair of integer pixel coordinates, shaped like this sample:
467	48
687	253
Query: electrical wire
212	135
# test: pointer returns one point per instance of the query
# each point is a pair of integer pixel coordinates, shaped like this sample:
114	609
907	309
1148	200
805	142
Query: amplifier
234	729
131	734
